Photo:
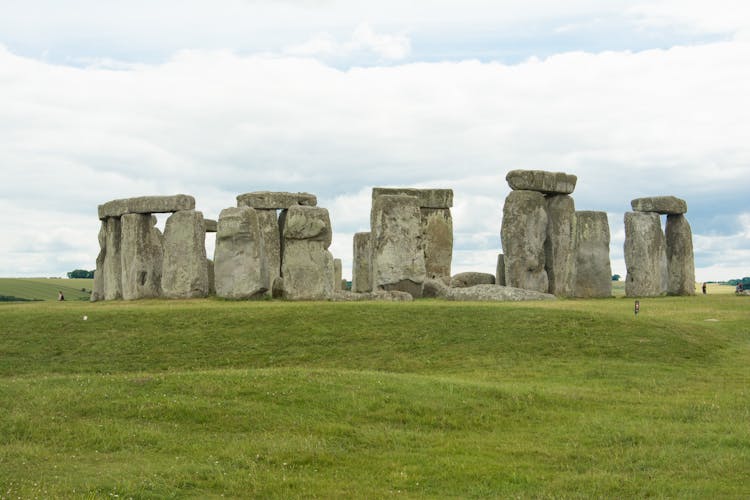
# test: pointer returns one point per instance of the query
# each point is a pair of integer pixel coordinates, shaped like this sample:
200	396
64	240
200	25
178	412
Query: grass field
211	398
46	288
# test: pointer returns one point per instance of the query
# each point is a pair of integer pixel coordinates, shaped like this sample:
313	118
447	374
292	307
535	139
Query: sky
104	99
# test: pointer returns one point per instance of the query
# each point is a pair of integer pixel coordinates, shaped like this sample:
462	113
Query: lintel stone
275	200
669	205
542	181
428	198
146	205
211	225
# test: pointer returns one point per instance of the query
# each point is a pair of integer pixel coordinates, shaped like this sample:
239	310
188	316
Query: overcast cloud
109	100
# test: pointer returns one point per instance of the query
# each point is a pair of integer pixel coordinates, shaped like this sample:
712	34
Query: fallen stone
593	270
464	280
500	270
142	251
210	224
307	223
645	255
437	241
146	205
307	269
560	248
428	198
379	295
434	289
112	266
270	200
361	263
541	181
495	293
396	239
669	205
523	234
185	268
680	258
240	268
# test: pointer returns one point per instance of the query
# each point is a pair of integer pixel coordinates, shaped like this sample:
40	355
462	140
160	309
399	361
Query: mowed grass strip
276	400
46	288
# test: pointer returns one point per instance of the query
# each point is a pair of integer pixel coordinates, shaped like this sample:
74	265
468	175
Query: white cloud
215	124
364	40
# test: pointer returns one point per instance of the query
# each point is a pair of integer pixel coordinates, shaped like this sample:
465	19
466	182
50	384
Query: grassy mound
29	289
205	398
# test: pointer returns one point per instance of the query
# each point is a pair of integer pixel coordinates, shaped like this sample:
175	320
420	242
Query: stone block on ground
645	255
437	241
146	205
434	289
185	268
467	279
669	205
560	248
142	252
541	181
495	293
523	233
428	198
396	239
307	270
272	200
680	258
240	270
361	263
593	269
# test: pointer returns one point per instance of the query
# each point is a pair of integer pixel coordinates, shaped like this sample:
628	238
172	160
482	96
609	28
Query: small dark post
637	307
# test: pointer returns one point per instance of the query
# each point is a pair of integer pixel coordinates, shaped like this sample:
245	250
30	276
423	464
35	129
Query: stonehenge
658	262
277	244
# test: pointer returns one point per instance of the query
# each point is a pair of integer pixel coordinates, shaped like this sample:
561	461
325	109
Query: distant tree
81	273
616	277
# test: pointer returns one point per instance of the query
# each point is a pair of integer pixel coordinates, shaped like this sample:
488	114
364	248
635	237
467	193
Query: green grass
576	398
46	288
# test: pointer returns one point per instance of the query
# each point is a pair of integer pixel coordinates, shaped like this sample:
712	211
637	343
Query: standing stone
307	270
500	270
97	291
306	264
645	255
211	277
337	273
680	259
112	267
523	233
592	268
437	241
185	268
269	227
142	254
560	257
240	270
361	263
397	253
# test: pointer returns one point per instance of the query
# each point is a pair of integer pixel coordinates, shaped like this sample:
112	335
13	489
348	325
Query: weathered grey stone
428	198
559	248
434	289
270	200
337	273
593	270
277	288
240	268
142	253
307	269
185	268
523	234
645	255
541	181
379	295
210	224
680	259
308	223
361	272
344	284
97	291
112	267
464	280
396	238
494	293
437	241
211	277
500	270
269	228
146	205
670	205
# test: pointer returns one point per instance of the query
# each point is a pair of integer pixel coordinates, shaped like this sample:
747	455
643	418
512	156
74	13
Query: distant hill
25	289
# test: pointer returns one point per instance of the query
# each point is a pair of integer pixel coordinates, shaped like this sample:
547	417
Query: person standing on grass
704	288
60	295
